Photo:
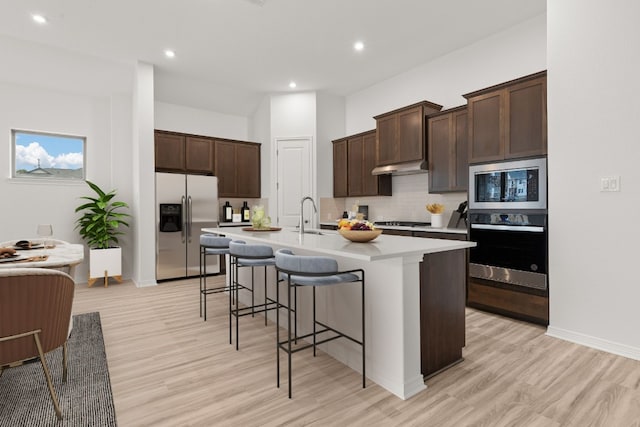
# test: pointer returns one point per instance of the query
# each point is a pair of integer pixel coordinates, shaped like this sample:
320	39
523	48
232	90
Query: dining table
56	254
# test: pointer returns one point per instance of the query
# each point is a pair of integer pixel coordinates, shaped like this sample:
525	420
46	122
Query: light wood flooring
170	368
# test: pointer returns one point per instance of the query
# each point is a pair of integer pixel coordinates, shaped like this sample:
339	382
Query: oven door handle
528	228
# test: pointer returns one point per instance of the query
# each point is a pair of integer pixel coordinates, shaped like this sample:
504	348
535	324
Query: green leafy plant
101	218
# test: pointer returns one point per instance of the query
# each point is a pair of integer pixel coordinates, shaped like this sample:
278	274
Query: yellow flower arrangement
435	208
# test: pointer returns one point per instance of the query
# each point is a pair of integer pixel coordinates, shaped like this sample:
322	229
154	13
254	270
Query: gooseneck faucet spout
315	209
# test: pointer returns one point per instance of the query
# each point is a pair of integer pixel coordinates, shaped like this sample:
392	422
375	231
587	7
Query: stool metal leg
277	330
364	378
204	281
265	295
253	303
238	306
289	334
314	321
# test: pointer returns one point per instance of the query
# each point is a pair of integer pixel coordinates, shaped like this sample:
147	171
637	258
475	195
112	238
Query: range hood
408	168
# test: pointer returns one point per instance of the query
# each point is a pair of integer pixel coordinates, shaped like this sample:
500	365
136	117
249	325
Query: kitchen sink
319	233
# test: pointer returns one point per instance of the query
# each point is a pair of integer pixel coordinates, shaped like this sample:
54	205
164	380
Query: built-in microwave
519	184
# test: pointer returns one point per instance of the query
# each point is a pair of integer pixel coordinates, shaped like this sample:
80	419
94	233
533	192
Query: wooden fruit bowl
359	236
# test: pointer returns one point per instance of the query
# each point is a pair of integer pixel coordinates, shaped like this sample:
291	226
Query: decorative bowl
359	236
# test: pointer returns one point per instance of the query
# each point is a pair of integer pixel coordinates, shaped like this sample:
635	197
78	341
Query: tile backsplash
410	196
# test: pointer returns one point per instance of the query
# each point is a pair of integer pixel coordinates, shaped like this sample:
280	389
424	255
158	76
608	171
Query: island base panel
442	316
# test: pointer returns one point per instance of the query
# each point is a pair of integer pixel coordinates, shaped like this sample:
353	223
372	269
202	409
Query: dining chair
35	314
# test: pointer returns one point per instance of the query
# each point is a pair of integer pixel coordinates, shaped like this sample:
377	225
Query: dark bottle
227	212
246	212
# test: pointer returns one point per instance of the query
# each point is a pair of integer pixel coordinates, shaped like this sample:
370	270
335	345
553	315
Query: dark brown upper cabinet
181	153
509	120
199	155
448	151
401	134
169	152
237	168
353	159
340	183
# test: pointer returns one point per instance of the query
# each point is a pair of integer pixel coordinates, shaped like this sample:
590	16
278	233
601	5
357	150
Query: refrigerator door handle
190	217
184	219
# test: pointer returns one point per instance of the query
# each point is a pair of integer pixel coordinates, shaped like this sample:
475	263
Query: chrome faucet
302	211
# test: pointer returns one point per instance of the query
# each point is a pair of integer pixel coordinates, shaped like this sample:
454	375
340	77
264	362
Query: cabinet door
386	145
526	129
372	185
247	170
169	152
355	186
340	188
486	134
225	158
460	152
410	137
440	148
199	155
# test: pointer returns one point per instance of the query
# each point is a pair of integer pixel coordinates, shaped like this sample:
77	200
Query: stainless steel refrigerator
184	205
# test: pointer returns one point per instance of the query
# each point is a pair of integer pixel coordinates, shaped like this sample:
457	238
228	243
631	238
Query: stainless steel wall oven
511	248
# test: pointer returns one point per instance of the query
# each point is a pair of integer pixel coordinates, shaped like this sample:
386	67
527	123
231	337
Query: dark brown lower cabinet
443	277
530	305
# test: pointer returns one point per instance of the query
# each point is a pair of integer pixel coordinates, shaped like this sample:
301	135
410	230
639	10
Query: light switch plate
610	183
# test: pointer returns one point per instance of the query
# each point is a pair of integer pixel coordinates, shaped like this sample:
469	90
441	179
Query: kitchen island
414	301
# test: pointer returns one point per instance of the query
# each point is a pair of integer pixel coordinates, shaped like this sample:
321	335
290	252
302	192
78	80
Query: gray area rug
85	399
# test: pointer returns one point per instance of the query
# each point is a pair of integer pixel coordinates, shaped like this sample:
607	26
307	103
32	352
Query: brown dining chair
35	313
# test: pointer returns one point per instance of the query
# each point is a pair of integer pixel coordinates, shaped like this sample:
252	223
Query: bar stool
245	255
312	271
211	244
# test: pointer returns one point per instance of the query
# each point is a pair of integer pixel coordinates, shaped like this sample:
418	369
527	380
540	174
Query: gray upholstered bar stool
248	255
314	271
211	244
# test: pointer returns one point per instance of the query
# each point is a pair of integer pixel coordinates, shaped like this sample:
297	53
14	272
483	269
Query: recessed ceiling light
169	53
292	85
39	19
358	46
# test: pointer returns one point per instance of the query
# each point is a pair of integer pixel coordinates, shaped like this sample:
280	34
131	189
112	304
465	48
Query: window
38	155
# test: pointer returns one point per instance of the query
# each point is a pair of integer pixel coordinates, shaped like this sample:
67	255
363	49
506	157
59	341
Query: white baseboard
595	342
144	283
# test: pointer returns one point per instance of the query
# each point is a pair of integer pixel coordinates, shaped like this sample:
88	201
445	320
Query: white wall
27	203
513	53
593	88
143	182
260	131
330	124
72	94
179	118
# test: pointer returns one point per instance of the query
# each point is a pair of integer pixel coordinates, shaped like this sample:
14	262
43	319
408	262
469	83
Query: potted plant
99	227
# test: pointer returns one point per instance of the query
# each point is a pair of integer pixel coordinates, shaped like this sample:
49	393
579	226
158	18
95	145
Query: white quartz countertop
404	228
329	242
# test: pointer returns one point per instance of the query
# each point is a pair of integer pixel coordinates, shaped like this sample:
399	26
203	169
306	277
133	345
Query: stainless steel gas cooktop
402	223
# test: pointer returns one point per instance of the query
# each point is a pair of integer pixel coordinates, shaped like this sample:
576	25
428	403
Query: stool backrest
286	260
241	249
214	241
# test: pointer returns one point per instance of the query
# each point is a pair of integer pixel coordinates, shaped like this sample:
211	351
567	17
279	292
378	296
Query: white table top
62	255
332	243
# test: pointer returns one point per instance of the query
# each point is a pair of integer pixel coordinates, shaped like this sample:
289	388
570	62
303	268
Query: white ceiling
229	53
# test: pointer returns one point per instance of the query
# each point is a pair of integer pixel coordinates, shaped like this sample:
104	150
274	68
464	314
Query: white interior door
295	172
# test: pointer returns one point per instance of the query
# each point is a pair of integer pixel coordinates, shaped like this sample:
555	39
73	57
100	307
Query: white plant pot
436	220
105	263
